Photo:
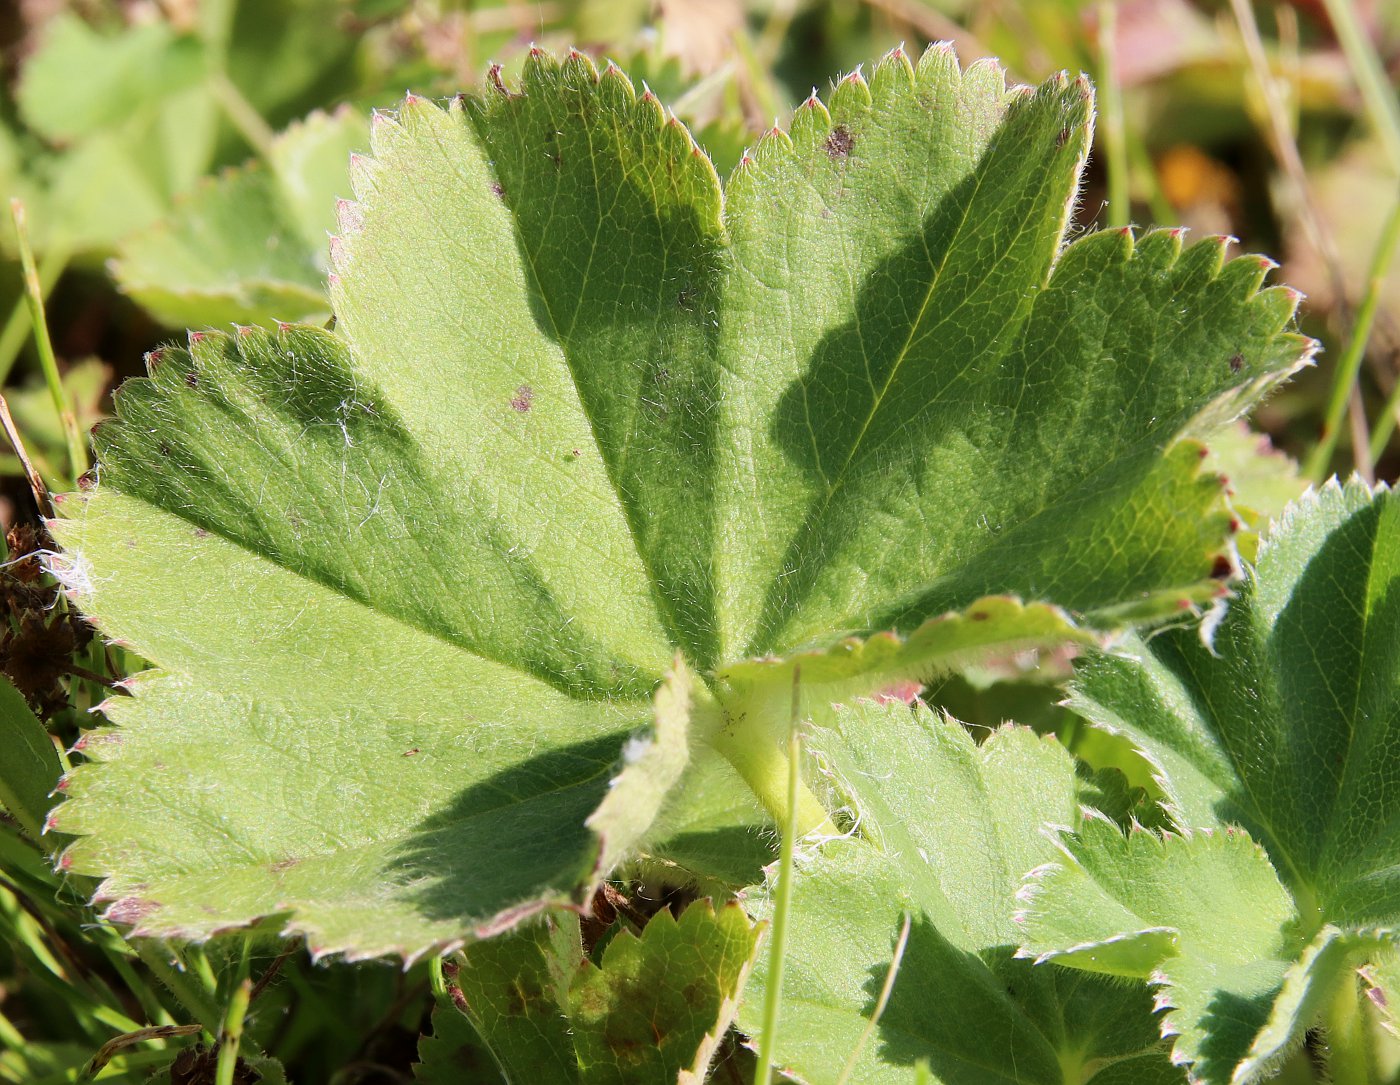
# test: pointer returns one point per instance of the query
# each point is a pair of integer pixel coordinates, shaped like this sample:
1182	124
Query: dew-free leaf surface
30	769
585	408
1286	727
947	829
249	247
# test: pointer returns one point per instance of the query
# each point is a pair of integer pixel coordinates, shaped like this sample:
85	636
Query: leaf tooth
938	61
340	256
851	97
384	131
614	77
811	124
1160	248
893	75
579	66
1241	278
540	66
651	107
774	143
364	171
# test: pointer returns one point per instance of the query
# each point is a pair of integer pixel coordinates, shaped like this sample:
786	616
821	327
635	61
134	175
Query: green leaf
30	769
1205	917
452	1052
248	246
136	117
584	410
946	830
1262	481
653	1009
1285	726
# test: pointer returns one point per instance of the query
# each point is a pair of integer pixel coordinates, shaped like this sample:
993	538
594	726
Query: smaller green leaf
1204	916
944	825
82	81
1262	481
514	991
250	246
654	1009
30	769
657	1006
452	1052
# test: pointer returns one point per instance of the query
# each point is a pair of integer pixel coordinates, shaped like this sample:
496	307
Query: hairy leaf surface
584	408
946	830
1285	726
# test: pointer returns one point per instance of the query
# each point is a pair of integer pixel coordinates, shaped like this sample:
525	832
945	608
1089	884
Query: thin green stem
782	904
190	995
1162	211
1349	365
34	294
1115	142
1350	1060
1369	73
232	1035
18	323
886	989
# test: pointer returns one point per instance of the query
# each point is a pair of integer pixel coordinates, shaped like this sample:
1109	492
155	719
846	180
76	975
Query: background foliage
179	164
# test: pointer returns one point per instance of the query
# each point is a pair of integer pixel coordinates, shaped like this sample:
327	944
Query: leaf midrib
664	610
771	626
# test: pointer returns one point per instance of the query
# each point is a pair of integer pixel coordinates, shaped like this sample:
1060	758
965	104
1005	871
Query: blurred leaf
1262	481
249	247
82	82
30	769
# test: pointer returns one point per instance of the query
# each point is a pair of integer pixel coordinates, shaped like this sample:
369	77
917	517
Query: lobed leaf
946	828
585	409
248	246
652	1009
1284	726
1204	917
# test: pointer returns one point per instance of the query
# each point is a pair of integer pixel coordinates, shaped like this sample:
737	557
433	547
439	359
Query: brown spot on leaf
840	142
979	615
499	189
523	399
409	752
192	379
1236	362
1221	567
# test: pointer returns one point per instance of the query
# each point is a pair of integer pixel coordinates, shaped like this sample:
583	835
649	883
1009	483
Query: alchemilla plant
515	578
